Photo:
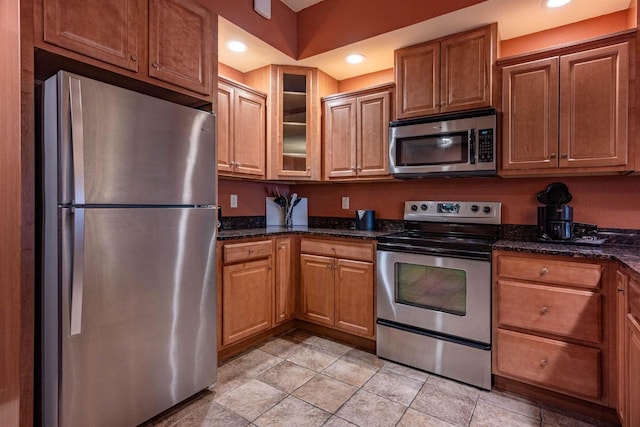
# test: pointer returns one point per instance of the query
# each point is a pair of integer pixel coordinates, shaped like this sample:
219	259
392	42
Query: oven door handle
449	252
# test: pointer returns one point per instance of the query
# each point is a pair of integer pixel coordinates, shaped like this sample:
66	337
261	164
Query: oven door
441	294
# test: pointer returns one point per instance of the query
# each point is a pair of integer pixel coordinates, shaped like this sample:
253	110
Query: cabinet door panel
530	101
181	45
249	133
354	297
633	379
224	125
284	282
340	138
317	289
566	312
621	317
466	71
417	76
555	364
373	134
107	30
594	107
247	295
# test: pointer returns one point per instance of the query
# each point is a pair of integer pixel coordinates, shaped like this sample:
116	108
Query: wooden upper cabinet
241	130
340	138
594	93
181	44
417	76
105	30
356	135
466	71
530	119
568	113
450	74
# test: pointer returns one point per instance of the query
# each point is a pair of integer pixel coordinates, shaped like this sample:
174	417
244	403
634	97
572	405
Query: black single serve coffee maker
555	219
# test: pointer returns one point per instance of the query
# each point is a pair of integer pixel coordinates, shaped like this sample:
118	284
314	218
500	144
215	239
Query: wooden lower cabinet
246	289
336	291
633	377
554	324
285	274
354	296
628	349
317	289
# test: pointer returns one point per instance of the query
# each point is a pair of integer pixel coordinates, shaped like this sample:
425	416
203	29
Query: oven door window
432	288
450	148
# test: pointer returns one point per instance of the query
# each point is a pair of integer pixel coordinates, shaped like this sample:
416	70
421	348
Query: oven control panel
449	211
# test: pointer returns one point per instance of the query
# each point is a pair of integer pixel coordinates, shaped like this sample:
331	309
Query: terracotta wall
366	80
605	24
609	201
231	73
335	23
251	196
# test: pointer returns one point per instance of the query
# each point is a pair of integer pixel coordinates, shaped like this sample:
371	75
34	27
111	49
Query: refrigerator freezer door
147	327
125	148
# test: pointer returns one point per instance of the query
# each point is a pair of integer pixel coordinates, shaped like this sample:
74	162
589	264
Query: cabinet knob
250	251
552	155
353	169
544	310
544	362
134	58
564	156
544	271
154	65
620	289
359	168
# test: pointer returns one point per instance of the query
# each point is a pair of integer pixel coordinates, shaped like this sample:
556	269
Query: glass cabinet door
294	122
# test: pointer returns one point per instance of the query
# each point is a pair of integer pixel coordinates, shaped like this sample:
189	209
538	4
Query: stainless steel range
434	289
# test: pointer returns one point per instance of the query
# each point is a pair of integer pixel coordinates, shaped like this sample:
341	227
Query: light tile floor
304	380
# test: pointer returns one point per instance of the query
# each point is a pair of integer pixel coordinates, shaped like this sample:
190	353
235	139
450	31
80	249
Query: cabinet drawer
357	251
549	363
236	252
566	312
580	274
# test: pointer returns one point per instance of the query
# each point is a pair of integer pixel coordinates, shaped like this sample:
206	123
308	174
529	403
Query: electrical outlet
345	203
234	200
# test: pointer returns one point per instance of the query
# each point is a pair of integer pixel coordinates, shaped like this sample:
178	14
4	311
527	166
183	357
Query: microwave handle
472	146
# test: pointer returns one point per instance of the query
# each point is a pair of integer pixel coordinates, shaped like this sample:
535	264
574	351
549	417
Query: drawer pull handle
544	271
544	310
250	251
620	289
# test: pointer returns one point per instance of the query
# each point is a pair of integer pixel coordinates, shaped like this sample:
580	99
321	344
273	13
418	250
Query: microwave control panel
485	145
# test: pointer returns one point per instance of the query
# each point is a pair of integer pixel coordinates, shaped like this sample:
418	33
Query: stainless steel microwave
461	144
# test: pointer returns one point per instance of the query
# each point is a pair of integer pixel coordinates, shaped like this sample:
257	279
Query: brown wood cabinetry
451	74
356	135
181	44
336	285
285	275
628	326
293	112
557	119
247	290
560	310
241	121
166	43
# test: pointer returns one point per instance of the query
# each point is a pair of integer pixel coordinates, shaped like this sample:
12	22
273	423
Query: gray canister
365	219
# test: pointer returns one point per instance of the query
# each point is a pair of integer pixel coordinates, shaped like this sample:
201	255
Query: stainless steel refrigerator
128	298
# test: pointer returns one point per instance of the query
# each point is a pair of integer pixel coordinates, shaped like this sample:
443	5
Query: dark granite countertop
310	231
628	255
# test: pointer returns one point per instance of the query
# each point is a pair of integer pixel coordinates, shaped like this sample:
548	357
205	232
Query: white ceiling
298	5
515	18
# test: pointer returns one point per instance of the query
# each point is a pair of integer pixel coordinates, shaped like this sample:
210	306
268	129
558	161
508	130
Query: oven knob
486	209
474	208
423	207
414	207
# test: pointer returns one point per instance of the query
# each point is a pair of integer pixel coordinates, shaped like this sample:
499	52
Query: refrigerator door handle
77	273
77	139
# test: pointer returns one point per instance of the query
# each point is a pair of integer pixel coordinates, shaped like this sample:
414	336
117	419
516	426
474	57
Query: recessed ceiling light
236	46
555	3
355	58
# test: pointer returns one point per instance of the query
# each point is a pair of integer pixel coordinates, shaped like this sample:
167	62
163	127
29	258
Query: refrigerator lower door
137	313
